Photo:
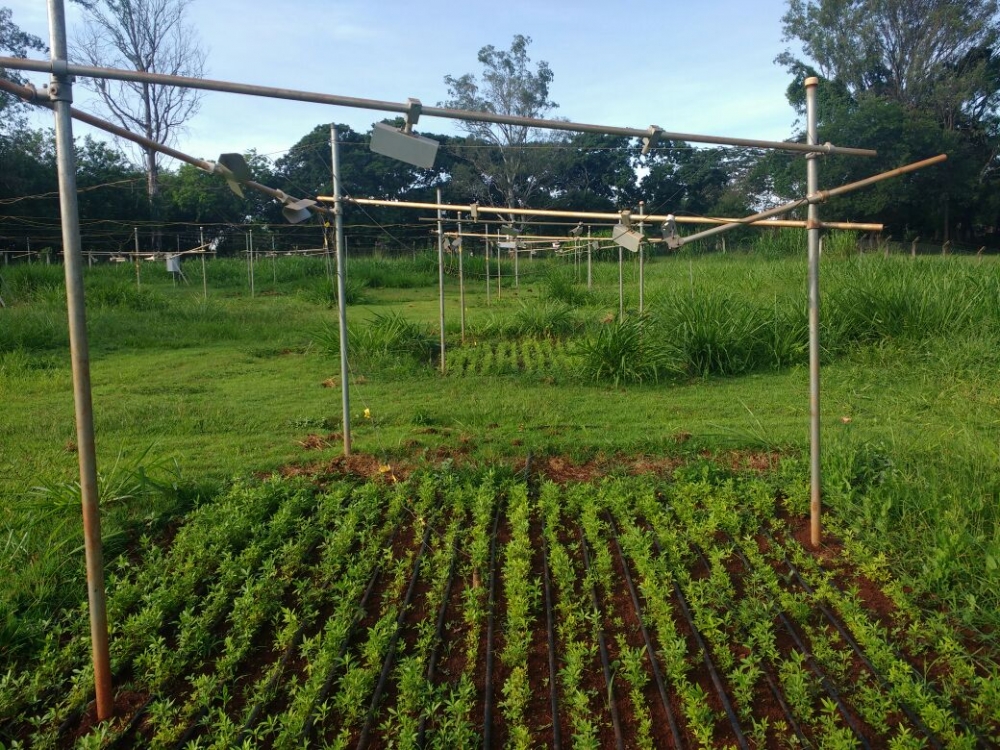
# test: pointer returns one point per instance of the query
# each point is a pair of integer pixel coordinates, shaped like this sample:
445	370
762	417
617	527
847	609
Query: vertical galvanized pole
338	221
138	284
499	270
440	214
461	277
486	244
250	241
516	272
204	279
621	287
642	276
812	227
61	93
590	252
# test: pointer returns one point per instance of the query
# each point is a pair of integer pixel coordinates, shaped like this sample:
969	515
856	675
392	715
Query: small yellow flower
368	413
384	469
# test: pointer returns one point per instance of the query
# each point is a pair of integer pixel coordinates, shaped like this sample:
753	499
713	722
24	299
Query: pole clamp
413	110
651	138
60	88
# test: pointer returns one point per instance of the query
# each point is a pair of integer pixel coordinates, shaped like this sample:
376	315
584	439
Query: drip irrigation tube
709	663
855	646
438	635
650	651
551	634
272	683
785	709
488	686
122	740
362	608
814	665
603	646
390	656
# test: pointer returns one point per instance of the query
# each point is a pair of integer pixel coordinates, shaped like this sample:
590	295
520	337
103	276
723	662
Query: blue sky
694	67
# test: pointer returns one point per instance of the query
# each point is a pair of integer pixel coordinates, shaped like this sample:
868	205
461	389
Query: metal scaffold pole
440	229
61	94
338	220
461	278
812	231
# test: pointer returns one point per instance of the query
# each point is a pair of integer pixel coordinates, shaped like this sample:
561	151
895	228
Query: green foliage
384	339
545	320
562	287
711	333
623	351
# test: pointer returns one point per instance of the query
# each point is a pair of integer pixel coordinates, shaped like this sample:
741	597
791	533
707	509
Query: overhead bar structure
58	97
474	208
208	84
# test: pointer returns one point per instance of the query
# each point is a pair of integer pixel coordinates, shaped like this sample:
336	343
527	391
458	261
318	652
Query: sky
689	67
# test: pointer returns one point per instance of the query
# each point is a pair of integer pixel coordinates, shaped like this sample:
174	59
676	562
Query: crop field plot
469	609
538	358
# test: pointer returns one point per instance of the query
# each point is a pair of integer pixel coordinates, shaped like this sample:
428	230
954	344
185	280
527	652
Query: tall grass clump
324	291
840	244
385	339
123	295
623	351
712	333
40	539
876	300
548	319
934	510
779	243
37	328
31	282
561	287
398	273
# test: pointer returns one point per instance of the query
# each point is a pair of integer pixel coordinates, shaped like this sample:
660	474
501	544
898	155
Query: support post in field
138	283
498	265
250	246
461	279
642	277
204	279
590	253
517	252
812	231
440	227
486	257
621	286
338	222
61	93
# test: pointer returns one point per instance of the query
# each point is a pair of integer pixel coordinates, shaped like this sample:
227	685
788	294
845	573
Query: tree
306	170
909	78
13	43
148	36
929	54
191	195
508	86
595	173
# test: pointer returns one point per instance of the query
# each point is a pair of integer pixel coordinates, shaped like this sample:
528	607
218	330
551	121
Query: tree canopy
910	78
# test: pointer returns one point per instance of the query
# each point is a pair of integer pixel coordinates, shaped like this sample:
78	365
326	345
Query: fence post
913	247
